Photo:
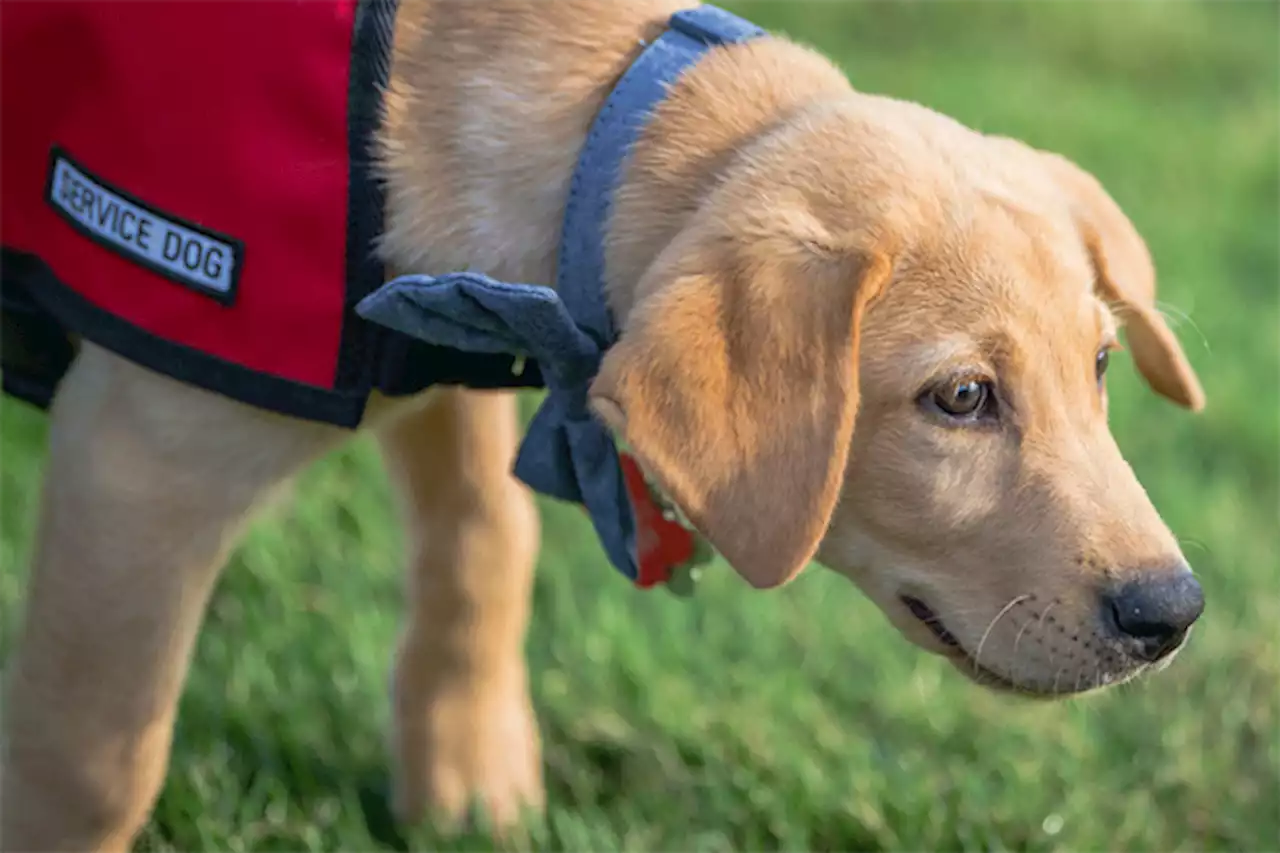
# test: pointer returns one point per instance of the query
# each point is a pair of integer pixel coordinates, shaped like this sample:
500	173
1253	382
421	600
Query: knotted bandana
566	453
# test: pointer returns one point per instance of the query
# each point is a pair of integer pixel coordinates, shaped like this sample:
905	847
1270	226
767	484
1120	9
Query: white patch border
58	155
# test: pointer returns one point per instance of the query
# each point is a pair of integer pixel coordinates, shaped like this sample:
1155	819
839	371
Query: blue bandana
566	453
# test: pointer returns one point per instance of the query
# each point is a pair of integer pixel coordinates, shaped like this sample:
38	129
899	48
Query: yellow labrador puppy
849	329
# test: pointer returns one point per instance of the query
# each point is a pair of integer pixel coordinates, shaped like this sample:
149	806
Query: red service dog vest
189	184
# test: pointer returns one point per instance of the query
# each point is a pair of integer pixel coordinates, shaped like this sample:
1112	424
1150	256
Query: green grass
798	719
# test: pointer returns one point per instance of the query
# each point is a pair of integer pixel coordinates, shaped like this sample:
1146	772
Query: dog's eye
1104	358
965	399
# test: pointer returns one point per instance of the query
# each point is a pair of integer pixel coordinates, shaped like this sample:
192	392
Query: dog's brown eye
967	398
1104	358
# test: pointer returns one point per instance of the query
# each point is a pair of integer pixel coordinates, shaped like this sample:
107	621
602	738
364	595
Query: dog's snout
1155	611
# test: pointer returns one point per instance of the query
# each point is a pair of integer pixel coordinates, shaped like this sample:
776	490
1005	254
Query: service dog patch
181	251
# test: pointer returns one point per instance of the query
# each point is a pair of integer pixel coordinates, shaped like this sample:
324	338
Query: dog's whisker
1018	638
1184	540
1057	675
977	655
1044	615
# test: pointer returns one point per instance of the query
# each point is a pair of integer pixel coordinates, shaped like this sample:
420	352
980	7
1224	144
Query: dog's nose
1155	611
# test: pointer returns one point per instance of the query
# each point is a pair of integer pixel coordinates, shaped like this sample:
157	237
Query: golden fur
787	257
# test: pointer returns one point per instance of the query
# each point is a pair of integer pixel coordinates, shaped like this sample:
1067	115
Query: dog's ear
735	384
1126	280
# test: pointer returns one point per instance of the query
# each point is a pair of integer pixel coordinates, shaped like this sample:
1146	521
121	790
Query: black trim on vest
370	72
409	365
35	349
372	356
75	313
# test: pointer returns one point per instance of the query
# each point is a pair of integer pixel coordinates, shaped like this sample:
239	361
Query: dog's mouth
925	614
954	650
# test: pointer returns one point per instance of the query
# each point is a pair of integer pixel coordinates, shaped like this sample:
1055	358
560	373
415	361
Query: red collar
669	553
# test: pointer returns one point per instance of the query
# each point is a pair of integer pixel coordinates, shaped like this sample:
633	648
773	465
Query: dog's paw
467	759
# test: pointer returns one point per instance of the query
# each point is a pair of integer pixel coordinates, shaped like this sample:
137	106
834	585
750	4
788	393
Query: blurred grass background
798	719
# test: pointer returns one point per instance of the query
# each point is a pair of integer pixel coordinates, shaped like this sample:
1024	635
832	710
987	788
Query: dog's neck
479	161
694	139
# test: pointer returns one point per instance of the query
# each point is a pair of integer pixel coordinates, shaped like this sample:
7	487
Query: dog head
881	341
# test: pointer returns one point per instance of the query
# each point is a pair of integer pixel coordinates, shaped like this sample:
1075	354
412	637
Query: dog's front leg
465	731
147	482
